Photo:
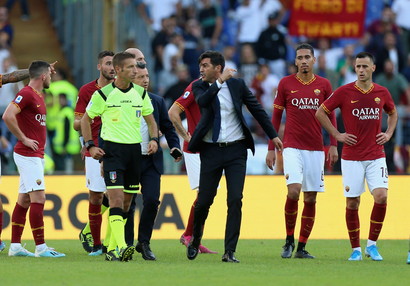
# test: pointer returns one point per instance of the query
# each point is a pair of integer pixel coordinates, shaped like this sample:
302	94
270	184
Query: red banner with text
327	18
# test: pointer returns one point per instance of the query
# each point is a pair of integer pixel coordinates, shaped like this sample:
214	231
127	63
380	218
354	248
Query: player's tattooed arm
15	76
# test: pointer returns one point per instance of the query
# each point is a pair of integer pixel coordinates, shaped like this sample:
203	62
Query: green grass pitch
260	264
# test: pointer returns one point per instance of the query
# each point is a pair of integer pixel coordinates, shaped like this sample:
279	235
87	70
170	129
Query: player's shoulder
88	88
288	78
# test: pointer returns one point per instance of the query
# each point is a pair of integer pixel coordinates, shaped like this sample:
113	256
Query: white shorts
31	171
94	180
193	169
304	167
355	172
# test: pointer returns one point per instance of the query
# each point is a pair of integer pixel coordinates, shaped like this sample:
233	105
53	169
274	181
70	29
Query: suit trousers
215	160
150	189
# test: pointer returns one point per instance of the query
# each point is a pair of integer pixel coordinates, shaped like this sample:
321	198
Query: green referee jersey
121	112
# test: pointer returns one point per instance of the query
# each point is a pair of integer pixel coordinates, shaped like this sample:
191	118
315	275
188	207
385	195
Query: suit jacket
166	127
241	95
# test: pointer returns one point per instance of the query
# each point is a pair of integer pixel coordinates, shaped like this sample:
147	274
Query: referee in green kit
121	106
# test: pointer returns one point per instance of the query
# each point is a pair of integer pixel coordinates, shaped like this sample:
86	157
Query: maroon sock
190	226
18	221
37	222
353	227
308	219
95	218
376	220
291	213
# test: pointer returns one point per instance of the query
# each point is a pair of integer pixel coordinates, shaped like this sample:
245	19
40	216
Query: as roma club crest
347	188
317	91
113	176
38	181
377	100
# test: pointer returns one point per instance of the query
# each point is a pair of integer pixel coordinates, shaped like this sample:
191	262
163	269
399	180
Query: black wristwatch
155	139
89	144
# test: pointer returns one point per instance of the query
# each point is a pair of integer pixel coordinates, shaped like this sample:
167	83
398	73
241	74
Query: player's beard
108	76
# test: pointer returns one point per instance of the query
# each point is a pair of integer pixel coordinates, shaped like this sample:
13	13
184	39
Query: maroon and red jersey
188	104
362	116
84	96
301	100
31	120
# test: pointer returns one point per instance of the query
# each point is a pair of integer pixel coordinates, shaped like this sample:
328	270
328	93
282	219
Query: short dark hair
104	54
216	58
363	55
305	46
37	68
120	57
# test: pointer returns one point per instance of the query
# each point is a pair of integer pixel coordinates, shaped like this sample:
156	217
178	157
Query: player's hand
188	137
346	138
332	155
30	143
382	138
227	74
152	147
271	159
53	69
278	144
96	152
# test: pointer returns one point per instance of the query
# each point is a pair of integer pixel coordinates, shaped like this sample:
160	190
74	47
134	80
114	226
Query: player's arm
77	122
271	155
323	118
153	133
15	76
384	137
95	152
175	116
10	118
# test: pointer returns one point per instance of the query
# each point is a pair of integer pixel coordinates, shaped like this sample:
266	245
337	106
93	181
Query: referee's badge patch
113	176
186	94
138	113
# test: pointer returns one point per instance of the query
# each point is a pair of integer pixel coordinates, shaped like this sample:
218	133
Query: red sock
291	213
376	220
190	226
1	223
37	222
95	218
308	219
353	227
18	221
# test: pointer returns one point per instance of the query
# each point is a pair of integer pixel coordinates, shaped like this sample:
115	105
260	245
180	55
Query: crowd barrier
263	203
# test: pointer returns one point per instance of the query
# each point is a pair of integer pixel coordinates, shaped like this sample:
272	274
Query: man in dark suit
222	138
151	169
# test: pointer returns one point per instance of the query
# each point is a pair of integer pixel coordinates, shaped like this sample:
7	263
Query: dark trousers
215	160
150	189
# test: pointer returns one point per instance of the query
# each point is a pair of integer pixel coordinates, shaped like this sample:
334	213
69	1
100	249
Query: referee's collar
124	90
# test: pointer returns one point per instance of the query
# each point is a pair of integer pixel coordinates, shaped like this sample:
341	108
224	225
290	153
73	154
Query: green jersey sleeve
96	105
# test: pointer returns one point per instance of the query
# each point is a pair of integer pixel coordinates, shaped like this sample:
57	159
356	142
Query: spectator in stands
174	49
25	12
5	26
323	71
345	66
229	55
193	46
175	90
402	10
332	54
154	11
248	66
392	50
265	85
271	46
210	18
398	87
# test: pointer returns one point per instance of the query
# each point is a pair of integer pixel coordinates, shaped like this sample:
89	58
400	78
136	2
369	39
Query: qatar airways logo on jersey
367	113
305	103
41	118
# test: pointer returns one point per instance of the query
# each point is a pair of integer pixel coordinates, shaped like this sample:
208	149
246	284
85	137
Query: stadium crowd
253	37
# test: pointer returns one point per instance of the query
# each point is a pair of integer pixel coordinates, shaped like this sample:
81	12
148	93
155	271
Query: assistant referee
121	106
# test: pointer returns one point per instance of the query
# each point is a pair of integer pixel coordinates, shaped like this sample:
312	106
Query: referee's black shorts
122	166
